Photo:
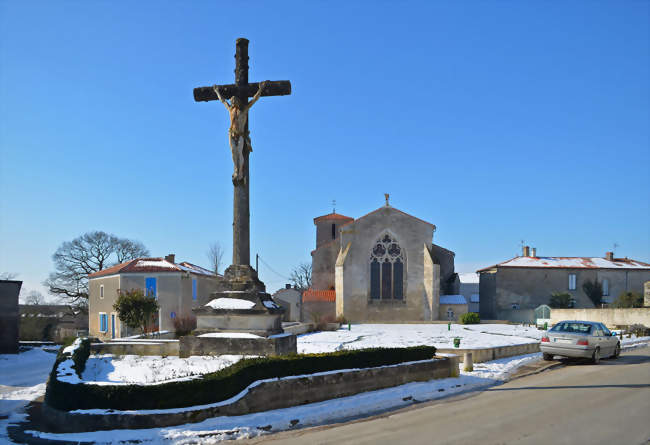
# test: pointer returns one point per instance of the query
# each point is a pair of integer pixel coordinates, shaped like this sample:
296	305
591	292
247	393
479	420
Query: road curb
545	366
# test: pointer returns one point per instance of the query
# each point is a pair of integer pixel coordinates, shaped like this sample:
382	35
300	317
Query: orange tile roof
332	216
318	295
150	265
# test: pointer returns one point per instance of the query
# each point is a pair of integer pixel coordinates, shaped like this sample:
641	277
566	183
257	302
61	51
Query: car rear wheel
617	351
595	358
547	357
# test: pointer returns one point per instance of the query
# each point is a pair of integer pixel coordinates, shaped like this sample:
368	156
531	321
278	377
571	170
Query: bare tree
88	253
215	256
34	297
8	276
126	249
301	276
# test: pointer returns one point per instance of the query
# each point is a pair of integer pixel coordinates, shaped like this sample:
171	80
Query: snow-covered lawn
129	369
22	378
401	335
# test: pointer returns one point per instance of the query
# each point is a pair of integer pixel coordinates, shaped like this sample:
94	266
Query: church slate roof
452	299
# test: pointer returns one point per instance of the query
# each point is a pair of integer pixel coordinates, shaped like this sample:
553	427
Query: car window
574	327
606	332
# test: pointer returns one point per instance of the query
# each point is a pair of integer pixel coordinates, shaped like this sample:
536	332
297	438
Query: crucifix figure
238	133
239	139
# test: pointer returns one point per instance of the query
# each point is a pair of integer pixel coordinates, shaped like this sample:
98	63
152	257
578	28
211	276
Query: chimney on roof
171	258
526	251
287	286
533	252
609	256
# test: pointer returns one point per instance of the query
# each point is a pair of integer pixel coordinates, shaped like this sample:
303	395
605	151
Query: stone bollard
468	363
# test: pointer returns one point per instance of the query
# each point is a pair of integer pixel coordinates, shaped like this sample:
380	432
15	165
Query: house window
101	291
572	281
333	231
194	289
387	270
150	287
103	322
605	287
450	314
515	306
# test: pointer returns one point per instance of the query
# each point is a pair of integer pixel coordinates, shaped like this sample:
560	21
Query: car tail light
583	342
545	339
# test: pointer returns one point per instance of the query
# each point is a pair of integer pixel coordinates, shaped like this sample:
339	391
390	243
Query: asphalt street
579	403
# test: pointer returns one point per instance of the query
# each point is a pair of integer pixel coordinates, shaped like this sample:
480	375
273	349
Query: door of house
112	325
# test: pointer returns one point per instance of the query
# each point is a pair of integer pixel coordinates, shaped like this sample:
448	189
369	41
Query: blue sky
498	121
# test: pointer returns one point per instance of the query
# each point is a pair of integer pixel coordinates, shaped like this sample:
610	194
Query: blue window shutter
150	286
194	289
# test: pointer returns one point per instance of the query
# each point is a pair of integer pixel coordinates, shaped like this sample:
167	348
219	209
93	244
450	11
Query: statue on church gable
238	133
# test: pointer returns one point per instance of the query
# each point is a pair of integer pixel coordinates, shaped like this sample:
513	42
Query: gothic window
387	269
333	231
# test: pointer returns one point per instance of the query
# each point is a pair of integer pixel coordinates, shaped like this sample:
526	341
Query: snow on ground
402	335
250	425
107	369
22	378
229	335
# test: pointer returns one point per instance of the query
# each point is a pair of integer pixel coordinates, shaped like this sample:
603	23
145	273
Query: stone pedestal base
240	282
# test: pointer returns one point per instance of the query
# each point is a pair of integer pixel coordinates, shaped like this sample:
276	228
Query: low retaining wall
278	345
137	347
262	396
299	328
486	354
610	317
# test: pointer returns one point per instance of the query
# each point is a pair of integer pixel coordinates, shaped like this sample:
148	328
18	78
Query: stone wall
480	355
324	308
283	344
264	396
609	317
9	316
137	347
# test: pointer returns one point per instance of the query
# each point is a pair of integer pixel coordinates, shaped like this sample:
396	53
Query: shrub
184	325
470	318
560	300
80	356
135	308
629	299
594	290
223	384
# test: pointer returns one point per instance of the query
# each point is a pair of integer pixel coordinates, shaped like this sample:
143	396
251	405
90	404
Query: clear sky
497	121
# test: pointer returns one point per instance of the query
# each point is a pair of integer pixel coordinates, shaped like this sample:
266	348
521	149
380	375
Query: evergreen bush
470	318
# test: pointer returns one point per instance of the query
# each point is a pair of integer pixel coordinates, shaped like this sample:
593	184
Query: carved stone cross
243	90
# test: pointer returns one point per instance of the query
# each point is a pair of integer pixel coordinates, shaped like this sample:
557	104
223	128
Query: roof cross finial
387	196
334	205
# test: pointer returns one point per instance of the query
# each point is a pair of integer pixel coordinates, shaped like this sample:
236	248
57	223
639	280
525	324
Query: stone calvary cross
242	90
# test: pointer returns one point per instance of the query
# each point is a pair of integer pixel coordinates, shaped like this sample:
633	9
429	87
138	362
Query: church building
381	267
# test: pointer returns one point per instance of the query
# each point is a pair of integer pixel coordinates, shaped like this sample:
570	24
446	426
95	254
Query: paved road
579	403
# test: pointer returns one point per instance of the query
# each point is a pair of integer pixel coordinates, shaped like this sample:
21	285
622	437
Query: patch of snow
73	347
230	303
156	263
284	334
229	335
573	262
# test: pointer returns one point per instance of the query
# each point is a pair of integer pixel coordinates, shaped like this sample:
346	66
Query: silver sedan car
575	338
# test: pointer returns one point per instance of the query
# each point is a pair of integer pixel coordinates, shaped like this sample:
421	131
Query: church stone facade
383	266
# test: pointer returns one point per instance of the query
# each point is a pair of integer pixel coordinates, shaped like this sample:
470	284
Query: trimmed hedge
220	385
80	356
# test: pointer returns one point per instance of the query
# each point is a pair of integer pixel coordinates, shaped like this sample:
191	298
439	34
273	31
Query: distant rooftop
140	265
332	216
571	263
